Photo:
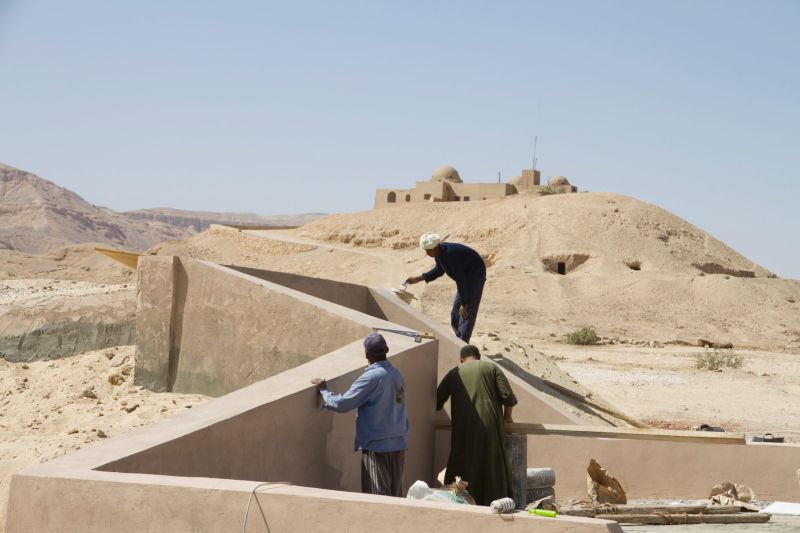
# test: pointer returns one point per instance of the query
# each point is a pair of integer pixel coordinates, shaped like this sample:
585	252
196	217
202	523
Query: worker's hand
507	418
462	312
320	383
414	279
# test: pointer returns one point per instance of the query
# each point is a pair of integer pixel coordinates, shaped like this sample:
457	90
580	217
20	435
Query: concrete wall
355	297
129	503
155	300
659	469
436	191
482	191
275	429
156	478
209	329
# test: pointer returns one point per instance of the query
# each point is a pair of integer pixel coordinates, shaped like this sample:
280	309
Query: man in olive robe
481	401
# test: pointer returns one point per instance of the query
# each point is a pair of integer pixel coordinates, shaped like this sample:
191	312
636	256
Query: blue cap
375	344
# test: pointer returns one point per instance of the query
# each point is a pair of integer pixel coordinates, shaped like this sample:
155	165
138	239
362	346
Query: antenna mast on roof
535	141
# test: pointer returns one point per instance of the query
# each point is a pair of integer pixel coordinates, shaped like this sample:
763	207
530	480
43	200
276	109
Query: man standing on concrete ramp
466	267
481	401
382	420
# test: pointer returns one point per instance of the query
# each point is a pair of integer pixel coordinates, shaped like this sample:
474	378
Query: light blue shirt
380	396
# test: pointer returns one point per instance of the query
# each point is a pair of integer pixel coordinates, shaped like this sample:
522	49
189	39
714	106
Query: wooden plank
586	512
649	509
706	437
635	509
740	518
673	519
723	509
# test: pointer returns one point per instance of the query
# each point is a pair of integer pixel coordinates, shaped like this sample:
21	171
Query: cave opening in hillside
634	265
564	263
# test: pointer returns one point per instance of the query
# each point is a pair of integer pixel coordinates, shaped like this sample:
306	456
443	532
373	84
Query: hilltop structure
446	185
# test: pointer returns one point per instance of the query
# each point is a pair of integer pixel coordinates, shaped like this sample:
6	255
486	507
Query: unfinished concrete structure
258	337
445	185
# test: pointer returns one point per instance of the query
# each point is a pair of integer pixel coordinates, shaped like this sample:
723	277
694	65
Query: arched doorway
391	197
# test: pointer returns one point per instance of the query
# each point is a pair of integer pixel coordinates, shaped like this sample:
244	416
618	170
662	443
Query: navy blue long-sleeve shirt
461	263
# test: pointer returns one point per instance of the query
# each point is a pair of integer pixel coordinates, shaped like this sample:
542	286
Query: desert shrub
717	359
583	336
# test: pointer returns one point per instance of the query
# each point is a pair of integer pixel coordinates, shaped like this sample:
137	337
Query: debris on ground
667	513
602	487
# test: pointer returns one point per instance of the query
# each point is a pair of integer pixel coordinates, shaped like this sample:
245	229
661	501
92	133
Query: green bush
717	360
583	336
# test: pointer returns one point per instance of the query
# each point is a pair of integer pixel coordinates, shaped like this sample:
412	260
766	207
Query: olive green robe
477	390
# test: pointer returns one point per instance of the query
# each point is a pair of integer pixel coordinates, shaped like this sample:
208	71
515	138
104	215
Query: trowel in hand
403	294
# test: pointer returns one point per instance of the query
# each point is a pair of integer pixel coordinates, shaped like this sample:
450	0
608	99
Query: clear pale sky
310	106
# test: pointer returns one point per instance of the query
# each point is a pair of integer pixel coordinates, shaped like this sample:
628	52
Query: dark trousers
382	473
463	326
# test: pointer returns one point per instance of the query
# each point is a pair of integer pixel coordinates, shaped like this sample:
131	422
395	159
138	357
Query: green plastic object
542	512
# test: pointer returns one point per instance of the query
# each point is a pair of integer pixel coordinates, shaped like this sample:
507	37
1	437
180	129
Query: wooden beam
603	432
672	519
581	510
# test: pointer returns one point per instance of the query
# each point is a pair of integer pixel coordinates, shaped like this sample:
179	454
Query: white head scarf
430	240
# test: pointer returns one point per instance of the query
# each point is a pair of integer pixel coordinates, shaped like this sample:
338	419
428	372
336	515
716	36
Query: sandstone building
445	185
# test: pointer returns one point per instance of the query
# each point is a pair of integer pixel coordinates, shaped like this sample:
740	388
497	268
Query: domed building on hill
446	185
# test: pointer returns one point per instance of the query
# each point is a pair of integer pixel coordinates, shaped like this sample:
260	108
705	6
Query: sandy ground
49	408
661	387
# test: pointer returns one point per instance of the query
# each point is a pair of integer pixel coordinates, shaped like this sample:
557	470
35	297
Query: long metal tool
416	335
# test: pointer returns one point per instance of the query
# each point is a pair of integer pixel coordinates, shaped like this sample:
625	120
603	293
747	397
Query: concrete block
155	302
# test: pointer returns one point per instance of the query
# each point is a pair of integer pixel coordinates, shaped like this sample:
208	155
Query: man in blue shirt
466	267
382	420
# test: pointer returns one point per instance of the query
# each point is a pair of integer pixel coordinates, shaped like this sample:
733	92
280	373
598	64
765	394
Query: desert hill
594	232
197	221
633	270
73	263
37	216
